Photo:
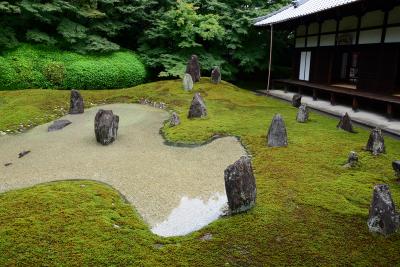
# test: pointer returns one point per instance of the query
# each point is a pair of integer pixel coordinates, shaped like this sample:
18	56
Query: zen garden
199	133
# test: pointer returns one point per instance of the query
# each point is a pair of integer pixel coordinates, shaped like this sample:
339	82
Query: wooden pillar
285	88
333	100
314	95
355	103
389	111
300	89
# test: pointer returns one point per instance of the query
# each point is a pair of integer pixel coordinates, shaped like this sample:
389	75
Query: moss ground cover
310	211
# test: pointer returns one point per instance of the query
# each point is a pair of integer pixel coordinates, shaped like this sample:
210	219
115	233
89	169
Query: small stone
277	135
206	237
8	164
106	126
187	82
193	68
352	160
23	153
158	246
116	226
3	133
216	75
302	114
240	185
296	100
382	213
197	108
175	120
376	143
76	103
58	125
346	124
396	168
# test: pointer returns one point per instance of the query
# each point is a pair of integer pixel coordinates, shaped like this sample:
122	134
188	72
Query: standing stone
216	75
197	108
240	185
376	143
175	120
346	124
352	160
187	82
58	125
302	114
193	68
382	213
76	103
106	126
296	100
277	135
396	168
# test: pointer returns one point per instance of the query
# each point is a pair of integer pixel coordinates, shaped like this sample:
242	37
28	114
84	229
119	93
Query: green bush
37	66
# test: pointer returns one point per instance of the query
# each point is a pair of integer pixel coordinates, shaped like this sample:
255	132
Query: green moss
310	210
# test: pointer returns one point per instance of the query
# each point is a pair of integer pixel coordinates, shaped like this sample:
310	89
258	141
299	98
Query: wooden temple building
343	48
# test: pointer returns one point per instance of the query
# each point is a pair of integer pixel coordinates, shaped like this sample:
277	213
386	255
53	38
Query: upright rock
382	213
296	100
106	126
175	120
216	75
58	125
302	114
277	135
187	82
346	124
240	185
396	168
376	143
76	103
193	68
197	108
352	160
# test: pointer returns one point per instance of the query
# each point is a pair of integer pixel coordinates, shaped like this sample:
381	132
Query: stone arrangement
376	143
197	108
352	160
302	114
106	126
277	135
396	168
187	82
240	185
193	68
58	125
382	213
150	103
76	103
216	75
346	124
296	100
175	120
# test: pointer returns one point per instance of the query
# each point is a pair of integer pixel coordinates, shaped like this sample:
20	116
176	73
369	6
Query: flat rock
296	100
277	135
23	153
376	142
76	103
346	124
58	125
175	120
302	114
106	126
240	185
187	82
216	75
197	108
193	68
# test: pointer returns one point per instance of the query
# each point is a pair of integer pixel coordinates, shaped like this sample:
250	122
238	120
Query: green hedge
40	67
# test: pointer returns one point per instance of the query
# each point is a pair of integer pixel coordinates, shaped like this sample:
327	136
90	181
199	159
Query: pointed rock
175	120
216	75
187	82
193	68
302	114
197	108
376	143
58	125
240	185
382	213
106	126
76	103
277	135
296	100
346	124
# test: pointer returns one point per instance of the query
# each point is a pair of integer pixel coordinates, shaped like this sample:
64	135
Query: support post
333	100
355	104
270	57
314	95
389	111
300	90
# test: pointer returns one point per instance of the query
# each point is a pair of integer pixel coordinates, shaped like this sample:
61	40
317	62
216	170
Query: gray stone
216	75
302	114
106	126
76	103
352	160
197	108
187	82
396	168
376	143
382	213
240	185
175	120
206	237
193	68
277	135
296	100
23	153
58	125
346	124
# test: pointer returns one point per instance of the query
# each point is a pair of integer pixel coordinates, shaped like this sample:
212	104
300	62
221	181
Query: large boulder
197	108
296	100
193	68
58	125
302	114
106	126
216	75
187	82
277	135
382	213
376	143
175	120
346	124
240	185
76	103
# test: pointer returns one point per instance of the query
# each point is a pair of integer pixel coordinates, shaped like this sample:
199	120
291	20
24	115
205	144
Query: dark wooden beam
355	104
314	96
333	100
389	111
